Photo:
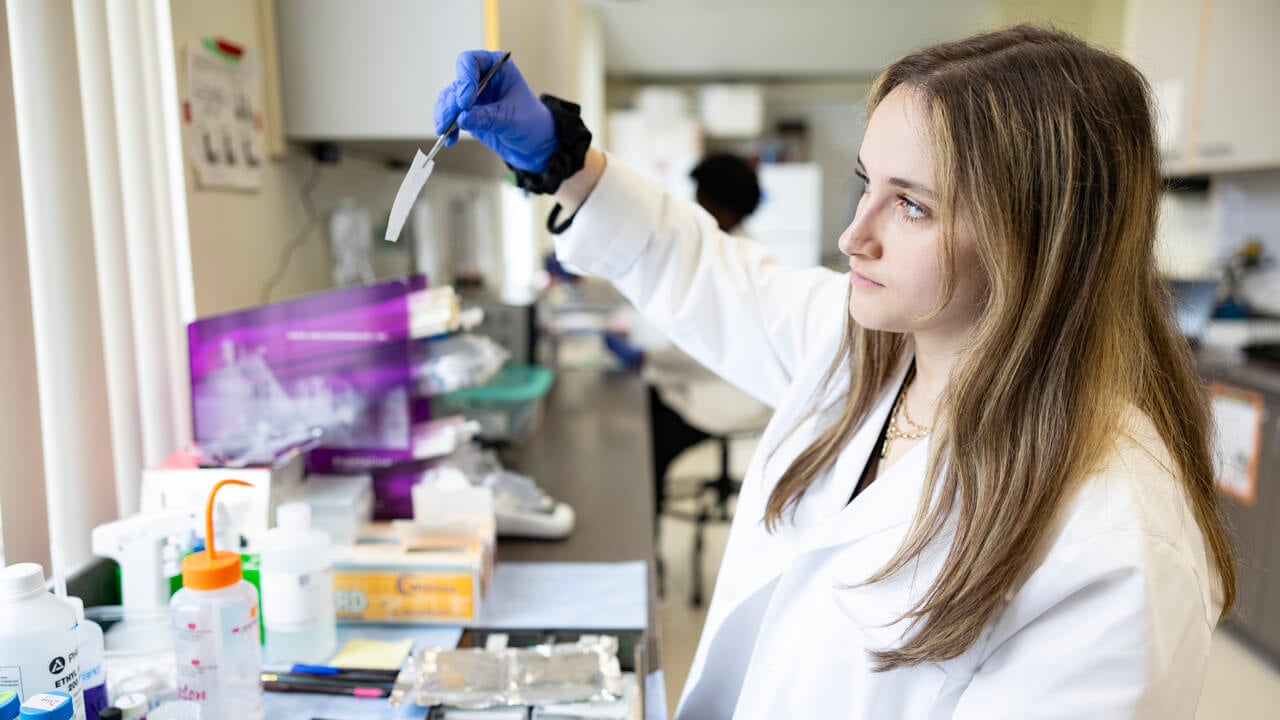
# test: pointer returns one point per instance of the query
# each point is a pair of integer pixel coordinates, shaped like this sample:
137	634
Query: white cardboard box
170	486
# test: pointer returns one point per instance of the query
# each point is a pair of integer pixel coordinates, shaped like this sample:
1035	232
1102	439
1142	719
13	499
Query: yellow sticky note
372	655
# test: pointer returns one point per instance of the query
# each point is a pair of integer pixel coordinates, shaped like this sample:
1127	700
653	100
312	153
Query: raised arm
724	300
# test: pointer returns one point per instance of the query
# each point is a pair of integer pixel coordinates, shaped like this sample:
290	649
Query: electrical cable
309	224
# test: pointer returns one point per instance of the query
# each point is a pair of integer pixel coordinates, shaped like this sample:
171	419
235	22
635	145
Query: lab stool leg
695	598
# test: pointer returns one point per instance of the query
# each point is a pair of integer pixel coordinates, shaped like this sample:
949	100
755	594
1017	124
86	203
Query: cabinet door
1269	558
1249	529
370	70
1240	102
1161	39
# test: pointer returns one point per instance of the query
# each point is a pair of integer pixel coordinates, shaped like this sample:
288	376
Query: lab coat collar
889	502
824	517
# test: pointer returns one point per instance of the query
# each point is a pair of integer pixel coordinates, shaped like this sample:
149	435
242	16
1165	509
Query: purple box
333	368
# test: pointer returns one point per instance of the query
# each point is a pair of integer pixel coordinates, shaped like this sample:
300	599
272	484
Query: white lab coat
1113	622
702	398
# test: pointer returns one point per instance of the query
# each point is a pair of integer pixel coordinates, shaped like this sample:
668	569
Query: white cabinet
1212	66
369	70
362	70
1240	105
789	219
1162	37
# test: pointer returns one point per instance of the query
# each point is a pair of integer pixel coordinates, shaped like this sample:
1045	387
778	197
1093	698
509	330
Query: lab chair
712	500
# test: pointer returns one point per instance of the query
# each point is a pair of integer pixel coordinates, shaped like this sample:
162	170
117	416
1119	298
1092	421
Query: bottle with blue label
52	705
93	672
39	646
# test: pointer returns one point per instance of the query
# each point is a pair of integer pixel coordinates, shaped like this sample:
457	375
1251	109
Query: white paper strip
417	176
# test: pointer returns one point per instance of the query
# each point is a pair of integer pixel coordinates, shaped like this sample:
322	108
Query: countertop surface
1234	367
592	451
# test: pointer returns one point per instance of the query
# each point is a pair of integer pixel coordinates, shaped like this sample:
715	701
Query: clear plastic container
217	656
508	407
215	622
139	651
297	589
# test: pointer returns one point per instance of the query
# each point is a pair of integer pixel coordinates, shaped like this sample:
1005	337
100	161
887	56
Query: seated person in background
687	402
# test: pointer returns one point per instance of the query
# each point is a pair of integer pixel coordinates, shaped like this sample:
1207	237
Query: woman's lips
861	280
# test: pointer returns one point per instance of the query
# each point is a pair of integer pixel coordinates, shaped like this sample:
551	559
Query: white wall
836	115
1246	206
776	38
238	238
804	38
1184	236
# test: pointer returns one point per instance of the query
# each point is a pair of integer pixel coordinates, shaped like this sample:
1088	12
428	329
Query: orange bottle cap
212	569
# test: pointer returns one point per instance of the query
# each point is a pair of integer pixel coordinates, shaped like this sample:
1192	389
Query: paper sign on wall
224	122
1237	420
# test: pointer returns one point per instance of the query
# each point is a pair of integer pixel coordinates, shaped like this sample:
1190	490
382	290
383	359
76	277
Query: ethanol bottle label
30	666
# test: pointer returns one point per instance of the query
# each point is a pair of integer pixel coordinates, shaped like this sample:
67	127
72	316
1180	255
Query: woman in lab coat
986	491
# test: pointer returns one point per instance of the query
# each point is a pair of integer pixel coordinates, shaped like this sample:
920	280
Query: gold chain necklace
892	432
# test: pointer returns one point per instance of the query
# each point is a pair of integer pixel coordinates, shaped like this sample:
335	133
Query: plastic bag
456	363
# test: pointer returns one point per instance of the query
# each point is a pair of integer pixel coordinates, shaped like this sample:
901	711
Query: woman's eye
911	210
866	184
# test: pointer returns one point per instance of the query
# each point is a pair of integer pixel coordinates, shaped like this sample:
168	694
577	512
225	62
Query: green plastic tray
512	384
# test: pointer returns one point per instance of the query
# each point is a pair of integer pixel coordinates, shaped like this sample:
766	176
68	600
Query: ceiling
829	38
775	38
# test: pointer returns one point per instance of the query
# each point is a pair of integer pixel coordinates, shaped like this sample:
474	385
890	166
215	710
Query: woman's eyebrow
903	183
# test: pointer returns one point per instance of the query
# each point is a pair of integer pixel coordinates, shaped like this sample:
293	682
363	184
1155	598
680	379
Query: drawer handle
1216	150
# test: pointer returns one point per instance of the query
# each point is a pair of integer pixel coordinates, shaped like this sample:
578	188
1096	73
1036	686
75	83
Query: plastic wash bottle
297	589
215	623
39	651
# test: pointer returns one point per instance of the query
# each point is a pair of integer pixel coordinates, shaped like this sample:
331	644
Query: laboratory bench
591	450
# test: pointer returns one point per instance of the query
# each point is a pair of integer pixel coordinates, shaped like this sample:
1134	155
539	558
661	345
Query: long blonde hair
1048	147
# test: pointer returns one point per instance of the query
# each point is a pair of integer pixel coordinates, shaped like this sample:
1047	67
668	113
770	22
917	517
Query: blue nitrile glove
630	355
508	117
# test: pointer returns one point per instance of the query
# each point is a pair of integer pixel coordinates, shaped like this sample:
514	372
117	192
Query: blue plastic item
8	705
52	705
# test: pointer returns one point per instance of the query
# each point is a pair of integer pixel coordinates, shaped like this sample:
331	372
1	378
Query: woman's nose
859	238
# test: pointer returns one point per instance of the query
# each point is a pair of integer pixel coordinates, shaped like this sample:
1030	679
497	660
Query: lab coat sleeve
724	300
1114	628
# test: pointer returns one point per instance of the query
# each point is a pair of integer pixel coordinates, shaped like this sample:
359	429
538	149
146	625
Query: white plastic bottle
297	589
92	654
38	643
215	631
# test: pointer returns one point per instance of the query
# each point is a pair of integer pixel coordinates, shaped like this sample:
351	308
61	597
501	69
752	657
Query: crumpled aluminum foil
475	678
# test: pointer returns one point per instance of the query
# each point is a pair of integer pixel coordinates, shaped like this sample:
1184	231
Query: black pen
360	692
